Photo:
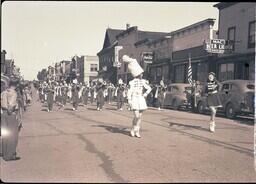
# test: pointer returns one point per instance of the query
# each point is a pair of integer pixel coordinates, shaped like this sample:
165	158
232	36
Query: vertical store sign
116	62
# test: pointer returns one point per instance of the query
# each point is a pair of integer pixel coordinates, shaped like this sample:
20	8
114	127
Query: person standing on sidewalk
136	97
213	99
9	121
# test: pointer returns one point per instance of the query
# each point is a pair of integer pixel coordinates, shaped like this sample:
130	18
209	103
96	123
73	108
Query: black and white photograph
127	92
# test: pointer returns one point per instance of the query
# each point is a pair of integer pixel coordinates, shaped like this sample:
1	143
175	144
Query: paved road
95	146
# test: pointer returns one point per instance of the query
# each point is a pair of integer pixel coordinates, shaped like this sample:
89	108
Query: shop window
226	71
125	67
159	72
94	67
252	70
251	35
179	73
226	87
232	36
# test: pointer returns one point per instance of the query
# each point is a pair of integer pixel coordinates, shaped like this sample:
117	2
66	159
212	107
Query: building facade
160	67
237	26
107	54
188	43
3	68
128	39
91	68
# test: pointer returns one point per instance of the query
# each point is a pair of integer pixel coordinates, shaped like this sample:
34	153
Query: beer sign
215	46
116	62
147	57
218	46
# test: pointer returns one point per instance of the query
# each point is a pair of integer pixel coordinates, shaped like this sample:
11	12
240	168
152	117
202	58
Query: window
159	72
179	73
125	67
94	67
226	71
226	87
251	35
232	36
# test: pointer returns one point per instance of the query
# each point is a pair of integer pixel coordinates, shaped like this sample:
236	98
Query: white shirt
136	88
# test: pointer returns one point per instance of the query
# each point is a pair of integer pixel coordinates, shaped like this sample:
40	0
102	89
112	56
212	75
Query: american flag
189	70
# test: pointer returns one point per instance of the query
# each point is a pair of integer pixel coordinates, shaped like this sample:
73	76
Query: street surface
95	146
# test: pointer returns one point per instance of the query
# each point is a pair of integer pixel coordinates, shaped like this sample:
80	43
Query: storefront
159	71
236	66
201	62
200	69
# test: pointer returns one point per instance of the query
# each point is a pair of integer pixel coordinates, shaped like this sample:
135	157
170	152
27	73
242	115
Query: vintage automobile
176	95
237	97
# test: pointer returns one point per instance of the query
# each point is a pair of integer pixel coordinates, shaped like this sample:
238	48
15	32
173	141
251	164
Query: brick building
129	39
190	41
237	25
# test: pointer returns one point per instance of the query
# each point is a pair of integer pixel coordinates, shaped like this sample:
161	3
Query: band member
110	89
100	94
64	91
45	91
50	96
59	94
85	94
9	122
136	97
160	94
92	91
213	98
75	95
40	93
120	94
80	92
69	92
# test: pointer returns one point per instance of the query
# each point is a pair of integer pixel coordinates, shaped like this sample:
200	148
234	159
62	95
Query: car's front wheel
200	108
175	104
230	111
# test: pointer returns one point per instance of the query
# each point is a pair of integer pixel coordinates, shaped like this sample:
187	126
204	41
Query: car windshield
250	86
188	89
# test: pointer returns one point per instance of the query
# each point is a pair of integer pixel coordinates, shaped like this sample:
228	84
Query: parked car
176	95
237	97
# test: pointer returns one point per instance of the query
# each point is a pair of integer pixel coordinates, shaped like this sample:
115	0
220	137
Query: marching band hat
212	73
120	81
100	80
14	81
133	66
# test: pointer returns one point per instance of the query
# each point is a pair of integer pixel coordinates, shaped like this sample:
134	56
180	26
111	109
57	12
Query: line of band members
100	92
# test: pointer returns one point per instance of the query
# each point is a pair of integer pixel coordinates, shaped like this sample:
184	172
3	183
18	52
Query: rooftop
209	20
223	5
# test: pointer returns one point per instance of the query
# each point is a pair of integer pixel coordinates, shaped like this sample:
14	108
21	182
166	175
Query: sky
37	34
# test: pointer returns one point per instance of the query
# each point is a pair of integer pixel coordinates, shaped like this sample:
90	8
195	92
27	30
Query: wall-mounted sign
117	62
147	57
218	46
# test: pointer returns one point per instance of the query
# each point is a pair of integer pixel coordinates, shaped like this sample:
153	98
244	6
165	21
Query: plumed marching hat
14	81
162	83
75	81
212	73
133	66
101	80
120	81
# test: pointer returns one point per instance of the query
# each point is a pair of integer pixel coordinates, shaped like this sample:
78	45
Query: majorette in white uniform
136	97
